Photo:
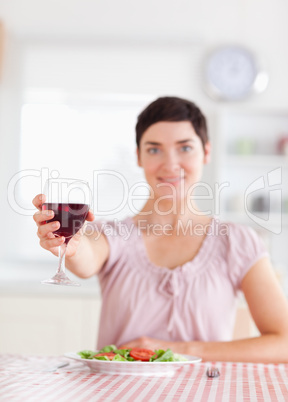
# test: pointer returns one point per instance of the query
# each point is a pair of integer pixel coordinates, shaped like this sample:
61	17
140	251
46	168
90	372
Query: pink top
195	301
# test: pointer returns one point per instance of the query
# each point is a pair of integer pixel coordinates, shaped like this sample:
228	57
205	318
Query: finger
90	217
41	217
38	201
51	227
50	244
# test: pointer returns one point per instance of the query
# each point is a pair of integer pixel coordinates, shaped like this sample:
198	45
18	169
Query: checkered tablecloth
27	379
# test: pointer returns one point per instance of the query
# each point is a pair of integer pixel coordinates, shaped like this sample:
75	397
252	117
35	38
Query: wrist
193	348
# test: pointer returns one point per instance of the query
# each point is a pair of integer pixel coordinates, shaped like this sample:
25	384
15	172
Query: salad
111	353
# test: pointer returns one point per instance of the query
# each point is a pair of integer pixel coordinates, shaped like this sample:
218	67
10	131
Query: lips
171	180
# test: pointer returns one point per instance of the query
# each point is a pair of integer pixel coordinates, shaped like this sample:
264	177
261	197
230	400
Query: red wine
70	216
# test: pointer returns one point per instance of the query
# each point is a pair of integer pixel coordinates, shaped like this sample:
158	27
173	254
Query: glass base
60	279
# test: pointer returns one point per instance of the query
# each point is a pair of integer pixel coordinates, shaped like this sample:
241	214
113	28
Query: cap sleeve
245	249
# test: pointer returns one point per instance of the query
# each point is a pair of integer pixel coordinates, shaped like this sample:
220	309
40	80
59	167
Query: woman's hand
46	229
146	342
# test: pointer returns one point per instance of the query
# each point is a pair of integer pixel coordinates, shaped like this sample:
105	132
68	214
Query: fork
212	372
56	367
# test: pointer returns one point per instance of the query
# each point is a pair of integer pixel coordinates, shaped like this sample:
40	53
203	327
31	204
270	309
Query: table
25	379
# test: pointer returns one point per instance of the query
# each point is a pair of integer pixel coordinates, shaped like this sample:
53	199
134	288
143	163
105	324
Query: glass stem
62	251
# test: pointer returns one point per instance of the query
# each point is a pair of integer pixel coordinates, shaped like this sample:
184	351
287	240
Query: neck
168	213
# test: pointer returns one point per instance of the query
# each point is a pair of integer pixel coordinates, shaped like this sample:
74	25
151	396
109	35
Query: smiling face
172	156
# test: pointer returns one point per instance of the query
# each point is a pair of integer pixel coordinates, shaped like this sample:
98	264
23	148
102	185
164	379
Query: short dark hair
171	108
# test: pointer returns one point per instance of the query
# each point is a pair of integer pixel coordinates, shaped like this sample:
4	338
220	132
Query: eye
186	148
153	150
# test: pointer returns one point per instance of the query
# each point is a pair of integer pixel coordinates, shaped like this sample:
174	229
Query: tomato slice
141	354
110	355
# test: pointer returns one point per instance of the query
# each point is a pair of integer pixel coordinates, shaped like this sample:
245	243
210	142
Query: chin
166	194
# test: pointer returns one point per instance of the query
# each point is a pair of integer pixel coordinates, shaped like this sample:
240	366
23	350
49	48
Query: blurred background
74	75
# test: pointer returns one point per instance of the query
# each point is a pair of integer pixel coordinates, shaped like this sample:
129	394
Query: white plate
134	368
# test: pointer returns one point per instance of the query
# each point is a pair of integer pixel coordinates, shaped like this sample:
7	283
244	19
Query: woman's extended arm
269	309
91	254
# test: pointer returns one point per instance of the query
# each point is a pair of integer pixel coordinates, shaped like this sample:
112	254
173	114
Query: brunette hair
171	108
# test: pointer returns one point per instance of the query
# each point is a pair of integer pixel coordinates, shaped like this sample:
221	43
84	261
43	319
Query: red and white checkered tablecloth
25	379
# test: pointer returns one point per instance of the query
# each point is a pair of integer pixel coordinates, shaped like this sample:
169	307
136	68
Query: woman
173	282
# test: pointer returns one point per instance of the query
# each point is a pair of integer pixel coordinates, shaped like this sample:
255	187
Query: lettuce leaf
179	358
167	356
123	352
118	358
101	358
106	349
86	354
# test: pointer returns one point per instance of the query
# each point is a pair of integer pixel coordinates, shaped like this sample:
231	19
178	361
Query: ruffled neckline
196	265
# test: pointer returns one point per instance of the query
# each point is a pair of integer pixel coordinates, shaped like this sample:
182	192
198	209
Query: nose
171	161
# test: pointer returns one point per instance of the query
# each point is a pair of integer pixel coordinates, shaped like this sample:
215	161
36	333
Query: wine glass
69	199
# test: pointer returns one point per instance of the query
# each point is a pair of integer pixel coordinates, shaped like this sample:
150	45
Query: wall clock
233	73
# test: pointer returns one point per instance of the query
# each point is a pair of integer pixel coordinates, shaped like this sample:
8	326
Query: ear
207	152
138	157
